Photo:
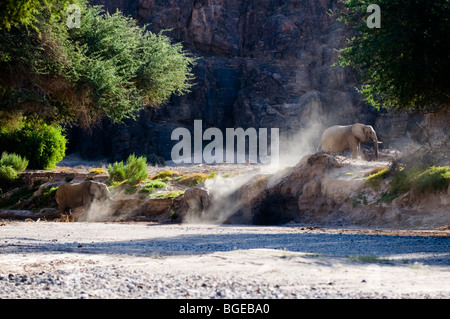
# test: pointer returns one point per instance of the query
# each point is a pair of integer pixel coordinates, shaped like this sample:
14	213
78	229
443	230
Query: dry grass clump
166	174
194	179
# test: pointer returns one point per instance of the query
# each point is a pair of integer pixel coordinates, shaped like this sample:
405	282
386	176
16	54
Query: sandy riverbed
142	260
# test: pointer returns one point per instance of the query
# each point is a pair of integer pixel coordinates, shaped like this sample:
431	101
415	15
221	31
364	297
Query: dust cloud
223	198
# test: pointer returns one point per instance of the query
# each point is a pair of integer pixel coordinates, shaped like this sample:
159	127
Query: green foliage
18	163
47	198
108	67
418	180
11	165
43	145
7	176
116	172
151	186
174	194
136	169
165	174
403	65
434	179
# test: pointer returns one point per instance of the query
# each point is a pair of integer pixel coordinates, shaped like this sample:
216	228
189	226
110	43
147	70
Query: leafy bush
116	172
18	163
7	174
433	179
419	180
10	167
43	145
136	169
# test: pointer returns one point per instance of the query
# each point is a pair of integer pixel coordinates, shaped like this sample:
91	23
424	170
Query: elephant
75	195
341	138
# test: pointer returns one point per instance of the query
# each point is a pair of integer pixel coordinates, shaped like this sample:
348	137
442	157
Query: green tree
404	64
108	67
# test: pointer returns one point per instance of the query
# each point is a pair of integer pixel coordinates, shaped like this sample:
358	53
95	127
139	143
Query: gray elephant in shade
341	138
76	195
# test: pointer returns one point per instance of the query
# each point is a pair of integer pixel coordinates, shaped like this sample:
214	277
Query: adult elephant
76	195
340	138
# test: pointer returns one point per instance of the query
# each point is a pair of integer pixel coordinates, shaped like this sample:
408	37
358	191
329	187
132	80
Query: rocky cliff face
262	63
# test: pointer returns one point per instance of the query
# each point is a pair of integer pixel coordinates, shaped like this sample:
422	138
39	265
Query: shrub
433	179
11	165
419	180
7	174
136	169
116	172
18	163
43	145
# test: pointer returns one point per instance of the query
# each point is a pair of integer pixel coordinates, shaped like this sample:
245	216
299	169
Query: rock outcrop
322	190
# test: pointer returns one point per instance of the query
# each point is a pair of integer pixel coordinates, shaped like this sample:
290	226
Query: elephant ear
359	132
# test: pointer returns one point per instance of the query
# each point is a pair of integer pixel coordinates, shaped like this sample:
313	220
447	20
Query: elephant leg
76	213
62	211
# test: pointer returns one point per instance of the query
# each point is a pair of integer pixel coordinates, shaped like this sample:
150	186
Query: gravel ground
141	260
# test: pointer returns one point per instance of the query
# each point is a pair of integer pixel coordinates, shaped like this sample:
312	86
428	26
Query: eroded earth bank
318	229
